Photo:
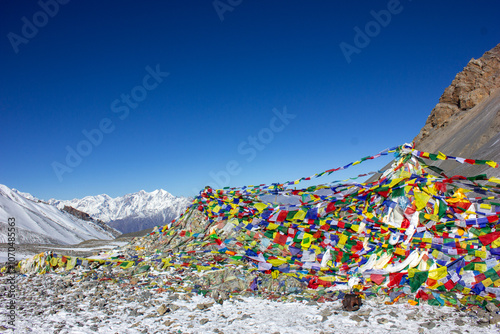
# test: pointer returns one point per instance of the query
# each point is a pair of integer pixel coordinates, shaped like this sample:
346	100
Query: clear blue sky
84	66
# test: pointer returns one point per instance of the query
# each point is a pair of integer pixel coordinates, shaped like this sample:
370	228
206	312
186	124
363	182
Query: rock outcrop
86	217
478	80
77	213
466	121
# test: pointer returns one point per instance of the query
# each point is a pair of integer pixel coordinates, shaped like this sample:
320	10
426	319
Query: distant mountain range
43	223
132	212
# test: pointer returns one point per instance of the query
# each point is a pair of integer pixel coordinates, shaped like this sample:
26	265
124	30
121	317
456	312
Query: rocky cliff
466	121
478	80
77	213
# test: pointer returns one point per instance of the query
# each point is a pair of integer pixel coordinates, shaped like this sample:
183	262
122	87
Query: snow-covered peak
15	195
26	195
142	204
39	222
160	192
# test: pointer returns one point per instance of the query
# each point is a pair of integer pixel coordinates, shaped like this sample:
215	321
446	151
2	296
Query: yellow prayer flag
492	163
275	274
480	254
404	174
328	278
439	273
306	240
412	271
435	253
316	248
487	282
485	206
481	267
494	179
421	200
277	262
70	264
300	215
441	156
431	217
260	206
272	226
496	244
400	251
395	181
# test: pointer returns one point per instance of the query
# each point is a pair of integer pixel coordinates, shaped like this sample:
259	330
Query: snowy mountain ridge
131	212
40	222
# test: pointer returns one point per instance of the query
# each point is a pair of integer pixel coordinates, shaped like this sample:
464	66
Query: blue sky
100	68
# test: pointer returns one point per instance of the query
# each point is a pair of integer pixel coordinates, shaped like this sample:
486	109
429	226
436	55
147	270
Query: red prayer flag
449	285
422	295
489	238
395	278
280	239
282	216
377	278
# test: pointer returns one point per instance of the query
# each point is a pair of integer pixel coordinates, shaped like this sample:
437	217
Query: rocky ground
54	303
100	299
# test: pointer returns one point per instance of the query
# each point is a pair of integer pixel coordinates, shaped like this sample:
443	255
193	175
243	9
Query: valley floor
83	249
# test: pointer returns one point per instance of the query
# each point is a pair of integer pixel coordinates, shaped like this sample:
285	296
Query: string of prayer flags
407	228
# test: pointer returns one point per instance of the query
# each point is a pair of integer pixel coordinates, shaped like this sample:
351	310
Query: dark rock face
478	80
85	216
77	213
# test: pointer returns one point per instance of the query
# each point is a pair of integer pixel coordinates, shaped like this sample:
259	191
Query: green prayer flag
418	279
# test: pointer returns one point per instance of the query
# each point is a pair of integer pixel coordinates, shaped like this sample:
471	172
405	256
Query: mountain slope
40	222
132	212
466	121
